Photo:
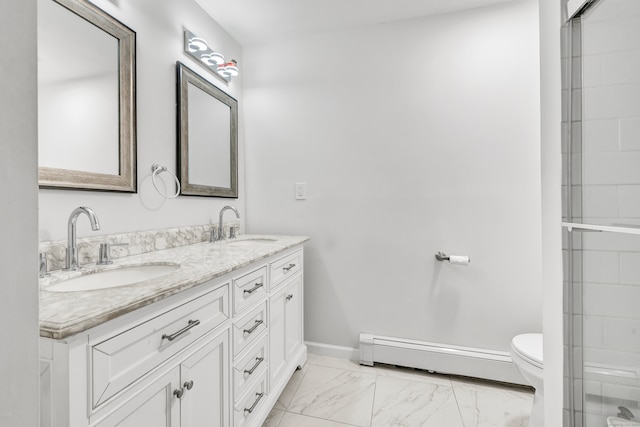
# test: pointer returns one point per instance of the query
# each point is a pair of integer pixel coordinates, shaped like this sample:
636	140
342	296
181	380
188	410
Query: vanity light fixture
197	48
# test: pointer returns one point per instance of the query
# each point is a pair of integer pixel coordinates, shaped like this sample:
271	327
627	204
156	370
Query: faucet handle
104	252
233	231
42	265
213	234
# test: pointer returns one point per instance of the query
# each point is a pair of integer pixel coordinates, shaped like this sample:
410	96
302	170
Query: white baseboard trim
329	350
447	359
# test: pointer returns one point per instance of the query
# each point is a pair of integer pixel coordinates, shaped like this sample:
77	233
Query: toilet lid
529	346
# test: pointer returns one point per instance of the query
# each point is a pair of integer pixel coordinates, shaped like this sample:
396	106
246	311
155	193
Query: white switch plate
301	190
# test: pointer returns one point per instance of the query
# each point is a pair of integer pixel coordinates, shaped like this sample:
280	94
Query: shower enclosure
601	228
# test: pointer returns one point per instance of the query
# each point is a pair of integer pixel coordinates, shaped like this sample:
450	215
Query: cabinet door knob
289	297
178	393
188	385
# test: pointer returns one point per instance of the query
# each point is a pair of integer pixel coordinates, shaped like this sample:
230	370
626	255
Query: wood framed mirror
207	137
86	98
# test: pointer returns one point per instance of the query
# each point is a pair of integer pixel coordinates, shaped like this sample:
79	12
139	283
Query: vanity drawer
250	403
285	267
249	288
249	367
249	328
119	361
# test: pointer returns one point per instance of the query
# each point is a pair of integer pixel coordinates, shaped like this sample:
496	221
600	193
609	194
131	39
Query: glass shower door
607	322
602	215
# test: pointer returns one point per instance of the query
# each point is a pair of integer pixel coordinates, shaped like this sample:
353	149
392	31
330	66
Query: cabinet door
277	337
293	328
154	405
204	379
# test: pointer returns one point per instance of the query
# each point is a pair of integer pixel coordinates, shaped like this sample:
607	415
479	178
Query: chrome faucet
221	225
71	262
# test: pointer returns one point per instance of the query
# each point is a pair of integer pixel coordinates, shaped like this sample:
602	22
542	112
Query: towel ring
156	169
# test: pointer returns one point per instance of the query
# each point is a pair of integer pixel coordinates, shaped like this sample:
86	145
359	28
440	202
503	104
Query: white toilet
526	353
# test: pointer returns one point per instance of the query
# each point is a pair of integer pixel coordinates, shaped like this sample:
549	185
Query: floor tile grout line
281	418
293	394
317	418
342	370
455	396
373	401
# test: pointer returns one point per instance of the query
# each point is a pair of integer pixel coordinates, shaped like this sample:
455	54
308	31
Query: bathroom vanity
212	341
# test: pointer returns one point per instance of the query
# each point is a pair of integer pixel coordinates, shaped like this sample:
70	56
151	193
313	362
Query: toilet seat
621	422
529	348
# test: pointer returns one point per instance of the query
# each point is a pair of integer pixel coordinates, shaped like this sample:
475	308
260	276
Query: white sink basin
114	278
249	242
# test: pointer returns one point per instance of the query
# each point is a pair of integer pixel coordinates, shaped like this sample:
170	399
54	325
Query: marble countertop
63	314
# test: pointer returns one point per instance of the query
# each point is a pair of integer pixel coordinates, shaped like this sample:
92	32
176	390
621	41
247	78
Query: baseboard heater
441	358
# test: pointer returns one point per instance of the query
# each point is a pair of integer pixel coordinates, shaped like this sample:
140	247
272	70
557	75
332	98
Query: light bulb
213	58
232	68
222	70
196	44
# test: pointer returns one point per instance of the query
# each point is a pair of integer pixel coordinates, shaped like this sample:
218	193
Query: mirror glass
209	128
208	135
85	98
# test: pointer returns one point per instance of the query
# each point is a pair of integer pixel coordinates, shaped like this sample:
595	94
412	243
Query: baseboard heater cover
442	358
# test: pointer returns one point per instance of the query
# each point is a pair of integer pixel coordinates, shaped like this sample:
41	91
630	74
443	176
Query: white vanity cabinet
285	326
285	315
217	354
192	391
204	379
152	405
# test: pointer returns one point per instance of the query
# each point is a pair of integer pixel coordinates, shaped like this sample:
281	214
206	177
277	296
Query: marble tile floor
329	392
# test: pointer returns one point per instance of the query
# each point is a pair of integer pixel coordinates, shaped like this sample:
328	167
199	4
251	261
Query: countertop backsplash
135	243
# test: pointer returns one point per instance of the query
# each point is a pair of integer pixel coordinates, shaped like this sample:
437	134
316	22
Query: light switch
301	190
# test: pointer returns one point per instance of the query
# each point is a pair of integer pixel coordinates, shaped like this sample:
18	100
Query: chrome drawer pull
254	327
192	324
259	361
250	410
255	288
286	269
289	297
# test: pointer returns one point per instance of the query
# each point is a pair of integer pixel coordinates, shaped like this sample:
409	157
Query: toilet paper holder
454	259
441	256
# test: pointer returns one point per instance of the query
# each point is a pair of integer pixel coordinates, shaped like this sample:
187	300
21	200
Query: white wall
550	99
413	137
159	44
18	219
